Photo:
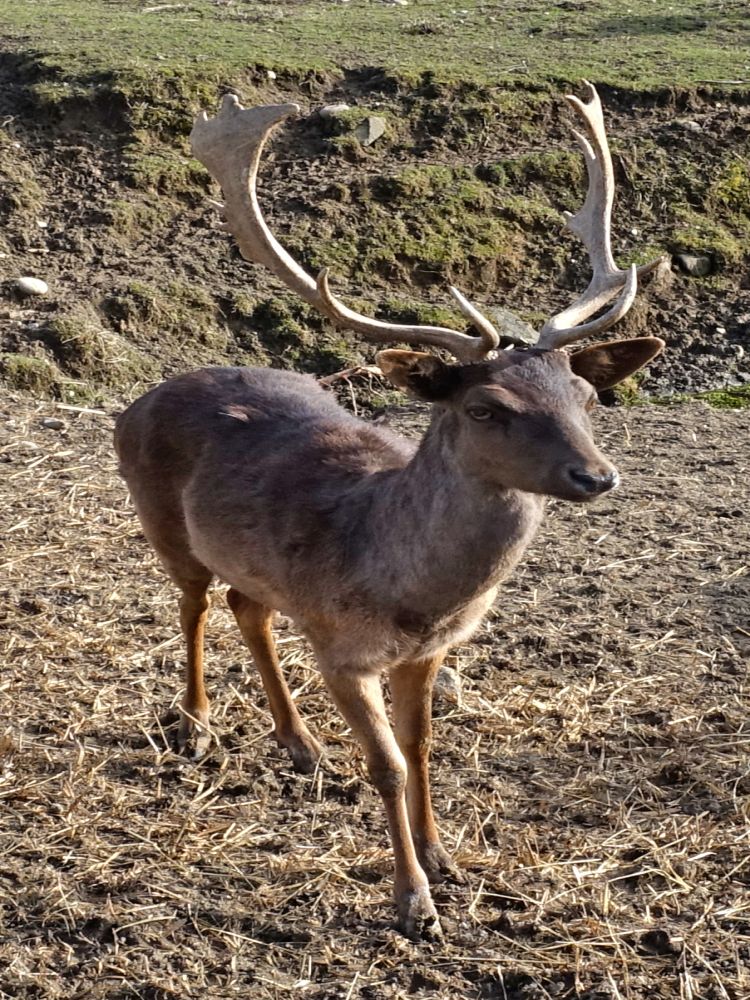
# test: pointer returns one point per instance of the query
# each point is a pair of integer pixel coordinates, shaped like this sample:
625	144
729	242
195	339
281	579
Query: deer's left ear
604	365
422	375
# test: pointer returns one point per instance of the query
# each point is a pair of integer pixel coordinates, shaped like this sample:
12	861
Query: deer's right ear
423	375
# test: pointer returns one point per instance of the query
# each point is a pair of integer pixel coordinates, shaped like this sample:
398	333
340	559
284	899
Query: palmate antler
229	146
592	225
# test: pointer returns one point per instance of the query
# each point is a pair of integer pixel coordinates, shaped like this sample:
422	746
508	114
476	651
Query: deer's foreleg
411	691
360	700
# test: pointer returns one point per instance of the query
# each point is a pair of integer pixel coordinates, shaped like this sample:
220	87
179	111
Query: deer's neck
446	536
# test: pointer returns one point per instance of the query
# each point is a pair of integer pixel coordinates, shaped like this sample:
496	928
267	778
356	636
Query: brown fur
385	553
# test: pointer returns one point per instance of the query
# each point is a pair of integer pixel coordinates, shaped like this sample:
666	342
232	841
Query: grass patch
699	233
736	397
293	335
21	194
135	218
424	223
643	47
174	315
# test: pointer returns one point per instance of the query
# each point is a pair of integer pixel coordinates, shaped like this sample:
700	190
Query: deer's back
270	477
219	416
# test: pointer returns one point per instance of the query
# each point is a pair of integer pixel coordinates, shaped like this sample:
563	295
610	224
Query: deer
384	552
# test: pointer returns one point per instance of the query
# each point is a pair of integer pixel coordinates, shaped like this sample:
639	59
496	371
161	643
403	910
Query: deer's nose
593	484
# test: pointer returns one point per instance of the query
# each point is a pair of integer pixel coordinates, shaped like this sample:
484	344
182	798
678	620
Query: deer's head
519	416
521	420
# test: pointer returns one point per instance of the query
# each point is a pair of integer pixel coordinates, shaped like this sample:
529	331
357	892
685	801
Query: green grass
641	45
736	397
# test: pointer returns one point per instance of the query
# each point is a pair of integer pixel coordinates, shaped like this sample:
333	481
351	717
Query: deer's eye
481	413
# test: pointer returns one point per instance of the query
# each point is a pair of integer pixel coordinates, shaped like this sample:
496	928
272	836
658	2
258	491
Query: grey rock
448	685
31	286
510	326
370	129
53	424
696	265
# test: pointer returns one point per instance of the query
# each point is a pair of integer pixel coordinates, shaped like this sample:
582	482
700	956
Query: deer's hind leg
194	721
254	622
168	537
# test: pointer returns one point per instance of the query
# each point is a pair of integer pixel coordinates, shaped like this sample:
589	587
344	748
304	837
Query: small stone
53	424
370	129
696	265
270	74
31	286
448	685
331	110
511	328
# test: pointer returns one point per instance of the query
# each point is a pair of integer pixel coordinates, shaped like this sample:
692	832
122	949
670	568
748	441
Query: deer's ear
423	375
604	365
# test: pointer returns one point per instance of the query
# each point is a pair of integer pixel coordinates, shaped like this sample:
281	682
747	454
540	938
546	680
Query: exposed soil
122	233
591	780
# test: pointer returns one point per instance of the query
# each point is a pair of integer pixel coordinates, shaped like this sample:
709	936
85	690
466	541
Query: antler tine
230	146
592	225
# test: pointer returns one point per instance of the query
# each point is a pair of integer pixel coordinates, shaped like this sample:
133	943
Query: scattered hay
592	781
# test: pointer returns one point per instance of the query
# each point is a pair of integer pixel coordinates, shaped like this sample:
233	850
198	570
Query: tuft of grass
700	233
163	171
138	216
88	351
423	222
291	334
21	193
424	313
31	373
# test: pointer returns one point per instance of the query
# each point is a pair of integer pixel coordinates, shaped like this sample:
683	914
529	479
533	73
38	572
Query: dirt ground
591	775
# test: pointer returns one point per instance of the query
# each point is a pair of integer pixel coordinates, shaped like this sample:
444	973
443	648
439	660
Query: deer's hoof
193	735
418	917
303	748
438	865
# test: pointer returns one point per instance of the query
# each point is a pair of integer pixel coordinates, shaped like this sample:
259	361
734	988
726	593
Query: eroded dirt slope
466	186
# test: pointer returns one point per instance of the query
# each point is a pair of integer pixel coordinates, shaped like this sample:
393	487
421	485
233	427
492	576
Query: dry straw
591	779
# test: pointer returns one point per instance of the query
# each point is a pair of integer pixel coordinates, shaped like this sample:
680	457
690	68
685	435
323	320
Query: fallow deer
385	553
